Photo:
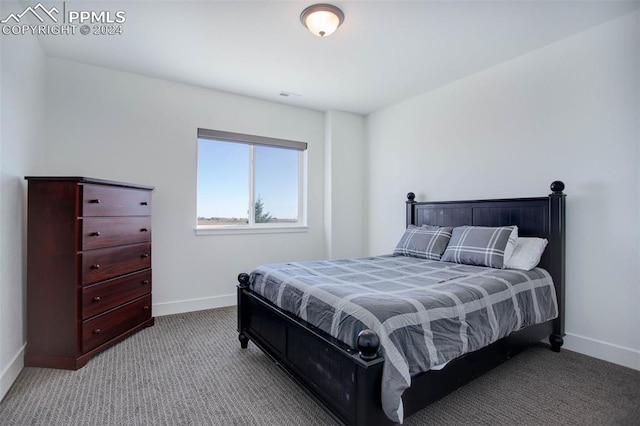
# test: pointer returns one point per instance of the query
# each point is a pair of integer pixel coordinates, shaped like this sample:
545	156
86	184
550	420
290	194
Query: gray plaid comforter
425	312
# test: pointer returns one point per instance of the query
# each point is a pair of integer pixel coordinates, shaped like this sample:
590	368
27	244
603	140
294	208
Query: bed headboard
536	217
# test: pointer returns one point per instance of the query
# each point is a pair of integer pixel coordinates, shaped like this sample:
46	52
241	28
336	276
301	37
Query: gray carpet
189	370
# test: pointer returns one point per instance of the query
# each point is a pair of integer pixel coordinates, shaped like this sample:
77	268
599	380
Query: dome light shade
322	19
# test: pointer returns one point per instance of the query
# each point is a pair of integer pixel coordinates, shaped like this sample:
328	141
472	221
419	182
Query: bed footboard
343	380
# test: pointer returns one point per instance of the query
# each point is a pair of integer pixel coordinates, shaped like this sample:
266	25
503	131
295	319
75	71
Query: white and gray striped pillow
425	242
479	245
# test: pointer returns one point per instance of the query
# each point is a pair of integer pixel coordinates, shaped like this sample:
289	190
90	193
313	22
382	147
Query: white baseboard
616	354
10	373
190	305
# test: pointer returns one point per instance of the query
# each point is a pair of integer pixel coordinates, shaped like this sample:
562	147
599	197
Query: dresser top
81	179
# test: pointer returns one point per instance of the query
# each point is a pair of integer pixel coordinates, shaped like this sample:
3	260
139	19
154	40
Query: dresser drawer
105	327
98	200
105	263
98	298
100	232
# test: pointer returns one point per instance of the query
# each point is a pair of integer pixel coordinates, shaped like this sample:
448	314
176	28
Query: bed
350	376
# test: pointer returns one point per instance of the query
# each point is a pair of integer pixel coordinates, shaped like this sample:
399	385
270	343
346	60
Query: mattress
425	312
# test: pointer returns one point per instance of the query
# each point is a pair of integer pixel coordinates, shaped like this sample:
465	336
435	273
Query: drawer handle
144	255
95	201
146	307
144	203
97	331
144	230
96	266
96	299
144	282
95	234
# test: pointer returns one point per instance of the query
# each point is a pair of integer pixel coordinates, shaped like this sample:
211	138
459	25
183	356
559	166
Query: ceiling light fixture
322	19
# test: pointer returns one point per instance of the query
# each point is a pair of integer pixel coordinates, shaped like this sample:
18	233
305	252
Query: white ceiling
385	51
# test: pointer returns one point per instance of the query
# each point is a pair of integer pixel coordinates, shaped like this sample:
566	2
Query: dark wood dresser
88	267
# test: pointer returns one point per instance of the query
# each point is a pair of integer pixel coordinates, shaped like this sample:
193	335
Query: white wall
21	132
119	126
345	182
568	111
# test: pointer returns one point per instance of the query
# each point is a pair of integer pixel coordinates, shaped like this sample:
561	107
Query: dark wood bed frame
345	380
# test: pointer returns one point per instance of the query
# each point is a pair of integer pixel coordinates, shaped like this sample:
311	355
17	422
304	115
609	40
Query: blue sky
223	179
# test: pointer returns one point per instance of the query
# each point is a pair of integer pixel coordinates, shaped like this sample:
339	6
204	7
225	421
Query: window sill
237	230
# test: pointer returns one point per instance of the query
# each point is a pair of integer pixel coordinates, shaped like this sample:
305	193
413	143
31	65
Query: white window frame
251	227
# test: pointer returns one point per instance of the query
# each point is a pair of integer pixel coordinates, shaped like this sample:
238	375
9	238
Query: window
247	181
